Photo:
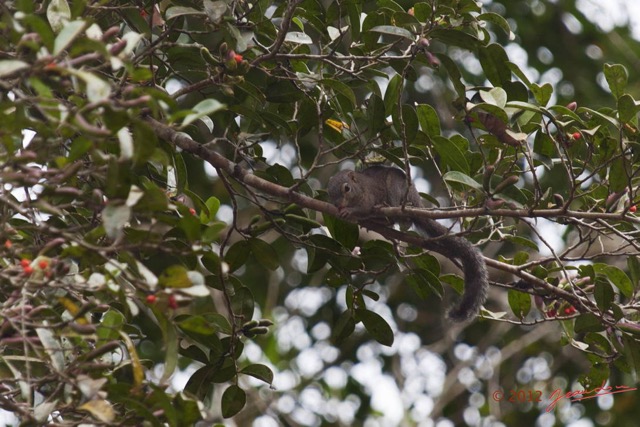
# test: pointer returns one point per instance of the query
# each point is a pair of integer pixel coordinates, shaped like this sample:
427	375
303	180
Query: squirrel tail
476	283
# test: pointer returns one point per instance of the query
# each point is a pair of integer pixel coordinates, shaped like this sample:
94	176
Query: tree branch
284	28
219	162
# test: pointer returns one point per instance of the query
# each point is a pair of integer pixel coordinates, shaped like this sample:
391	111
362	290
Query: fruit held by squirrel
357	195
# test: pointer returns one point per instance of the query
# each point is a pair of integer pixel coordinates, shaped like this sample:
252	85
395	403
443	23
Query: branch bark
234	170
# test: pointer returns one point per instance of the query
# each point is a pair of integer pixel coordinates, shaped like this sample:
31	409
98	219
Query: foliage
126	261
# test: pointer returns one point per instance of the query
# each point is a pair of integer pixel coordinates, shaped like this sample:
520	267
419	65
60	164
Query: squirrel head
343	189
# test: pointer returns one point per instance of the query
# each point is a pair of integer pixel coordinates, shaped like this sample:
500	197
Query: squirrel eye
345	188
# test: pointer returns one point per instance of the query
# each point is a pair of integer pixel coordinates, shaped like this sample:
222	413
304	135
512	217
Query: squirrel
358	194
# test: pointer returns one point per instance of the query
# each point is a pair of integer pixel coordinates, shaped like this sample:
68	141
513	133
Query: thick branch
187	144
408	212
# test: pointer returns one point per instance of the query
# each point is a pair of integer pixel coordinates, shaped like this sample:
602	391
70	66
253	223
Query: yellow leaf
100	409
336	124
138	371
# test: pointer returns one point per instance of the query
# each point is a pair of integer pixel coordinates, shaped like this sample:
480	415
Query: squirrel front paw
345	213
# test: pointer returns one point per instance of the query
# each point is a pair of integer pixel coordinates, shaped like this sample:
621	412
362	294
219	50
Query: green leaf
520	302
372	19
542	93
261	372
233	400
393	31
392	94
498	20
236	36
604	295
354	9
459	177
376	326
377	255
11	66
450	154
423	281
242	303
202	109
602	116
115	218
190	226
340	88
598	342
279	174
69	32
98	90
596	377
264	253
494	60
58	13
522	241
410	121
633	265
175	276
616	277
627	108
215	10
306	223
588	322
428	119
212	204
344	327
197	324
221	322
170	342
518	72
298	38
495	96
282	92
237	255
422	11
618	175
455	38
52	347
110	326
390	4
145	143
454	74
617	77
177	11
346	233
376	115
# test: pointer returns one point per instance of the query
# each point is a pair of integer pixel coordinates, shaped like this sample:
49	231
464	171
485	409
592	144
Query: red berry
238	57
576	135
151	299
171	301
572	106
43	264
633	208
27	270
192	211
551	313
25	262
8	244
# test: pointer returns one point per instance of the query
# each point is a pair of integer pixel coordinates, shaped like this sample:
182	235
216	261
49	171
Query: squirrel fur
358	194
